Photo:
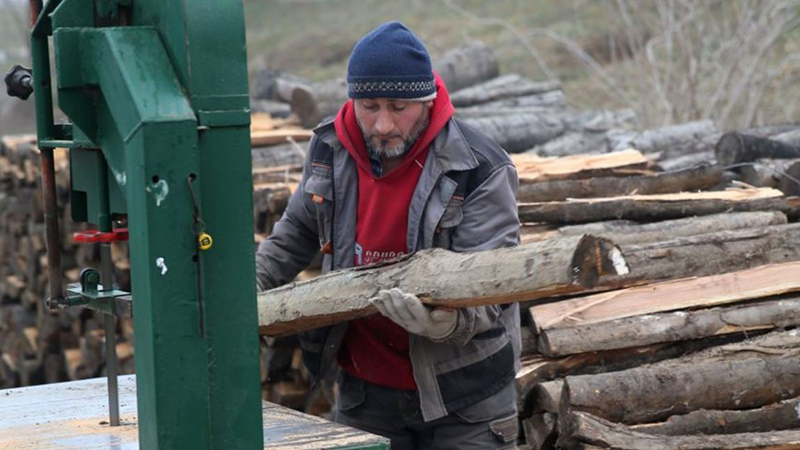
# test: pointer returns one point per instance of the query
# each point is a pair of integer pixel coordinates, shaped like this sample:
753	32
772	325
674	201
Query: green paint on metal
165	98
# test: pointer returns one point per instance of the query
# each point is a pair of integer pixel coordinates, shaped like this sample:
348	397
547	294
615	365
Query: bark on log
502	87
467	65
478	112
688	160
790	181
697	178
547	396
540	430
767	172
623	232
518	133
745	375
551	100
279	155
670	327
582	428
709	254
673	136
778	416
505	275
734	148
642	209
321	100
574	142
760	282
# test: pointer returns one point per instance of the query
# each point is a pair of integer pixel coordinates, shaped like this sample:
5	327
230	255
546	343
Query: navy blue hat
390	62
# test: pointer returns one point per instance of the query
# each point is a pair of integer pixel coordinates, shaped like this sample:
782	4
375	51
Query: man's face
391	126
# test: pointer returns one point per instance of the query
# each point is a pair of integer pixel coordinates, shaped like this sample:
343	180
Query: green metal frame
163	98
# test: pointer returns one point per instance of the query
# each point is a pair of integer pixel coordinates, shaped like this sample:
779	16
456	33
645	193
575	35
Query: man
394	173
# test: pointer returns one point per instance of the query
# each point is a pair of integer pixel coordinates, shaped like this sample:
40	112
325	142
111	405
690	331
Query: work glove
408	311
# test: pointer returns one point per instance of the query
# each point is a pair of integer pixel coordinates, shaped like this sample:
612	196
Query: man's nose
384	125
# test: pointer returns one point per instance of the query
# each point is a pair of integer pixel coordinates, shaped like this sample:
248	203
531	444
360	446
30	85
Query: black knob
19	82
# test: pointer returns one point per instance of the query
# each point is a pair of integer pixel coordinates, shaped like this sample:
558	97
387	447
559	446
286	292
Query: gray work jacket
464	201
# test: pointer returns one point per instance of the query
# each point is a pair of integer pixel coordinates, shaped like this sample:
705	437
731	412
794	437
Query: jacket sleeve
490	221
294	240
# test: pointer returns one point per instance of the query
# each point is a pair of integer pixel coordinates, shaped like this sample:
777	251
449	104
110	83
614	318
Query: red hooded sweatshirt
375	349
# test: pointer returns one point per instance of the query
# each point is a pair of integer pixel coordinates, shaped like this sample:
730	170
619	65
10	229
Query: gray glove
408	311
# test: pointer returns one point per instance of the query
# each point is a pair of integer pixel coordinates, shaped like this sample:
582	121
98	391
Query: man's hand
408	311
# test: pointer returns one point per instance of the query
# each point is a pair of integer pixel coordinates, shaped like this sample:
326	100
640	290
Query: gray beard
396	151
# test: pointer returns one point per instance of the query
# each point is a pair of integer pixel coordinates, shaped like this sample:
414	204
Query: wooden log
734	148
539	369
320	101
649	329
656	207
709	254
467	65
696	178
790	180
684	135
518	133
759	282
504	275
547	395
688	160
540	430
483	112
748	374
532	168
575	142
502	87
778	416
583	428
766	172
625	232
287	154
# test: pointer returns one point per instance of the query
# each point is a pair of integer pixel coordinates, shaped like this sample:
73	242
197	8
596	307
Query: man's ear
428	103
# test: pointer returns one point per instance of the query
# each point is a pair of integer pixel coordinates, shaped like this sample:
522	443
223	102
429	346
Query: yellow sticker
205	241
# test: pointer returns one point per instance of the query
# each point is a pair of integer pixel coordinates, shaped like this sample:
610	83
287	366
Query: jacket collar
450	148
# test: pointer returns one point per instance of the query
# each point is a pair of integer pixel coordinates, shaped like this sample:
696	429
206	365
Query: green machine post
157	95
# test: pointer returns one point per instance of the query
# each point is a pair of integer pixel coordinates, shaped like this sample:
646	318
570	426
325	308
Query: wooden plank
759	282
532	168
263	138
442	277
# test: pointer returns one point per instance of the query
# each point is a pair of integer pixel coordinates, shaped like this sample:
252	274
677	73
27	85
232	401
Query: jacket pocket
451	218
319	190
351	392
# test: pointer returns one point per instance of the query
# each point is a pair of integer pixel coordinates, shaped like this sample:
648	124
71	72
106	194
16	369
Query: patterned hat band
416	90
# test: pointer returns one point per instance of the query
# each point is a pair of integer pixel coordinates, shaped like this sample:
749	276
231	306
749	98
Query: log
624	232
778	416
498	276
467	65
502	87
585	428
759	282
278	155
734	148
547	396
649	329
483	112
749	374
321	100
536	169
685	135
574	142
688	160
644	208
790	181
539	369
696	178
517	133
540	430
767	173
709	254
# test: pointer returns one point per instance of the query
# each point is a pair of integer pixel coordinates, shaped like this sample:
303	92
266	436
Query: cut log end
729	149
595	257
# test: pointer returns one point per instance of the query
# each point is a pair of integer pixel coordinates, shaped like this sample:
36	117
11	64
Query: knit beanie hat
390	62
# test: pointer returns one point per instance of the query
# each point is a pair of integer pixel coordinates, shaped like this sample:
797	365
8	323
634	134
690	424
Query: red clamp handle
95	236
